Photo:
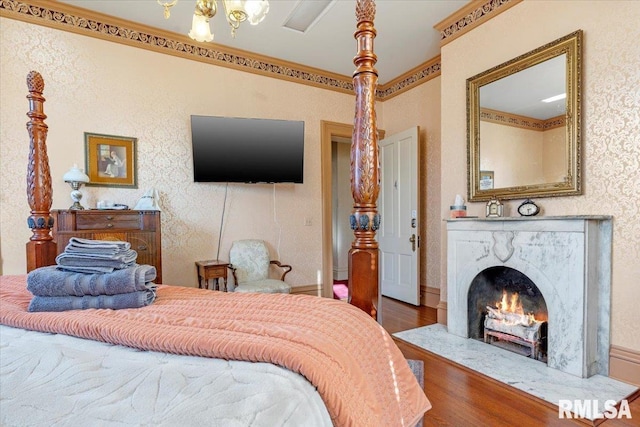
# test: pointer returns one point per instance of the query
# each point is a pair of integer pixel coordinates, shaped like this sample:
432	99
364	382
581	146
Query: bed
200	357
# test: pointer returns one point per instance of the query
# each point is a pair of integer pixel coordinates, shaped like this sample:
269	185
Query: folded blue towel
115	302
52	282
122	256
98	261
90	270
90	244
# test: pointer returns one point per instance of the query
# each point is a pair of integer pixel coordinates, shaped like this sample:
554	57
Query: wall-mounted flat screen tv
247	150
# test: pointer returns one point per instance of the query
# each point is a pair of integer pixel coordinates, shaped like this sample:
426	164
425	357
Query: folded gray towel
52	282
80	243
106	248
92	251
115	302
90	270
121	260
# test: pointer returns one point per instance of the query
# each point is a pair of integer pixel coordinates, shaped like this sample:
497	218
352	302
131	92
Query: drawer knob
109	225
142	247
109	217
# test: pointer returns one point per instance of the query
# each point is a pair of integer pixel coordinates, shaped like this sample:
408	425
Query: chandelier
236	12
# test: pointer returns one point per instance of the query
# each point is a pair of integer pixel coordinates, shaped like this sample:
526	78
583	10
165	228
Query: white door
398	207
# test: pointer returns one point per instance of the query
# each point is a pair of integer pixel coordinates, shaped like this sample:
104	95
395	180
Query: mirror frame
571	45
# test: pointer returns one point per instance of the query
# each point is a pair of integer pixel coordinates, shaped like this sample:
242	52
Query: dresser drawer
107	221
145	246
140	228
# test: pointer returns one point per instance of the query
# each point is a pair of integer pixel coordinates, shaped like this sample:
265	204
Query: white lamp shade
256	10
200	29
75	175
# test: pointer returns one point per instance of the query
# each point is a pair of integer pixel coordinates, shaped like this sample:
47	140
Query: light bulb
200	29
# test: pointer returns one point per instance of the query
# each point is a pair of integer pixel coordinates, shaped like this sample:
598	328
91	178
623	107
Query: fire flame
512	304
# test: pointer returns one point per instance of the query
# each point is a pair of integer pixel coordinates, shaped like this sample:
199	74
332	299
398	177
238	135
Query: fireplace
559	267
506	308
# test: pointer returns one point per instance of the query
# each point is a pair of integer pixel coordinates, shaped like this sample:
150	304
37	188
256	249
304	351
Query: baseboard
429	297
341	274
315	290
624	365
442	312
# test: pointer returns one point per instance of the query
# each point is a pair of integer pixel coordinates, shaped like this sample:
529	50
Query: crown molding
474	14
412	78
65	17
522	122
73	19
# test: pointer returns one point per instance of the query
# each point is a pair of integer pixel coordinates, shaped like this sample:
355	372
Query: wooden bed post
41	250
365	168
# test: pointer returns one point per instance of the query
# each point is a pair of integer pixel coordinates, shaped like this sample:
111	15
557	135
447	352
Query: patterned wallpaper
101	87
611	124
148	96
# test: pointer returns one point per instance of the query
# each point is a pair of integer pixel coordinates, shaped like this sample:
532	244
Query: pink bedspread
358	370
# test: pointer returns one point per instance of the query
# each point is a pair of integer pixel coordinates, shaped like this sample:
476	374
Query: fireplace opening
506	309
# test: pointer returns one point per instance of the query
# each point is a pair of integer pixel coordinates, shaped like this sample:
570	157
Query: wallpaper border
475	13
81	21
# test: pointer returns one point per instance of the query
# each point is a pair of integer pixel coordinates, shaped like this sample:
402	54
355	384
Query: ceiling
328	44
523	93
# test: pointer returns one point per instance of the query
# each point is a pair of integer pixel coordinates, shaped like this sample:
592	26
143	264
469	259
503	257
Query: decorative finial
35	82
365	10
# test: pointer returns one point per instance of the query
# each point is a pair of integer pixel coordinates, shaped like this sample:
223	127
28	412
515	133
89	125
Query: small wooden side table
212	269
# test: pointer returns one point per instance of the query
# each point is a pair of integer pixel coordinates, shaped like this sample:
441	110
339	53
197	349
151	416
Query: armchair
249	263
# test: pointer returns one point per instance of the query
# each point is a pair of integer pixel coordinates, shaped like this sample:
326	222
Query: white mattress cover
58	380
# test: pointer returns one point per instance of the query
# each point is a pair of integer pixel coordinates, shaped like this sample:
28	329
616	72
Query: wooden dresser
140	228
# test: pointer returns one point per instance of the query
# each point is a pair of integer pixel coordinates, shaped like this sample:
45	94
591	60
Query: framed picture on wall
110	161
486	180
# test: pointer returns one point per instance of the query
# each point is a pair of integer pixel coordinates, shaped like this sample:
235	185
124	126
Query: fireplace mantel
569	260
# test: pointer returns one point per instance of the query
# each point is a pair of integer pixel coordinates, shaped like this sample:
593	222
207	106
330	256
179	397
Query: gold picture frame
110	161
559	60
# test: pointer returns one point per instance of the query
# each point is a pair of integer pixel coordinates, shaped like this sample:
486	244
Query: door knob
412	239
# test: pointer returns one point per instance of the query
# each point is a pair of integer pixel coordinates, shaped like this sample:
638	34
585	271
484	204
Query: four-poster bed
365	178
196	356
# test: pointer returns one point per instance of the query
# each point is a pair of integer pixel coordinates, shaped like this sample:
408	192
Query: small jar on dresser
140	228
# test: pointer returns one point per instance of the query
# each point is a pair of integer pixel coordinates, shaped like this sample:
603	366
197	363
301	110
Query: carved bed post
365	168
41	250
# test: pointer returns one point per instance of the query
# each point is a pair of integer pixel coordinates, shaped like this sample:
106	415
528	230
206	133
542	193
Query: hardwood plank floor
462	397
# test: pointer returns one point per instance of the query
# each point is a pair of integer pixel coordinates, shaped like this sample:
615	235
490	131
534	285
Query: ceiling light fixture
236	12
555	98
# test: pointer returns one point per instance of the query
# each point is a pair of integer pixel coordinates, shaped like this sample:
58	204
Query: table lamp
75	177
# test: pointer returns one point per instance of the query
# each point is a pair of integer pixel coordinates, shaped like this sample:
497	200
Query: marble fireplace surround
569	260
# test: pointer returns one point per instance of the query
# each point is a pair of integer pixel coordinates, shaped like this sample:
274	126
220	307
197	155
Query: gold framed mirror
523	125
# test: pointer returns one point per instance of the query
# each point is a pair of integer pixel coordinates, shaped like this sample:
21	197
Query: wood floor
464	398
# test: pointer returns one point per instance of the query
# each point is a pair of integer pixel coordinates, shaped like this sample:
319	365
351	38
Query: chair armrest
233	273
285	267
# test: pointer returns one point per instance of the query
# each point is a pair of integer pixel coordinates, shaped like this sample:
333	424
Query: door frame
327	131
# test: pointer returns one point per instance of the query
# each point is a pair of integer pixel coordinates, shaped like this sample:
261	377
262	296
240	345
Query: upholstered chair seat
250	262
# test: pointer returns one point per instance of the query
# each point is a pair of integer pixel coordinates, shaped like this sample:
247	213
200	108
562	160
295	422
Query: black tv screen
231	149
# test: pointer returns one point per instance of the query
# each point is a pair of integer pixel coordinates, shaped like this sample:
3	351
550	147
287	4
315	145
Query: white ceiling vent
306	13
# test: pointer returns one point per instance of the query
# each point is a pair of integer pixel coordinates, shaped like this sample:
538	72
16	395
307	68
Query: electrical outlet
307	221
